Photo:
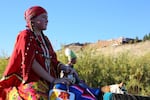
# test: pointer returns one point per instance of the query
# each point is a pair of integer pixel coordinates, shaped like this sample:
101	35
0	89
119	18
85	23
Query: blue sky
77	20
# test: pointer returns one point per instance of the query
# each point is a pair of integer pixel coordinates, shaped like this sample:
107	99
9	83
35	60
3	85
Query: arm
38	69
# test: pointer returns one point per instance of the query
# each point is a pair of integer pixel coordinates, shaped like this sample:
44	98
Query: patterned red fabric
25	51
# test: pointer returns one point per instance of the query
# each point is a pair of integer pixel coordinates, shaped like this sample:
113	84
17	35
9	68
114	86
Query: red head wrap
33	12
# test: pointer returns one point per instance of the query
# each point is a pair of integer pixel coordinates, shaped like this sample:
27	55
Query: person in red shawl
33	65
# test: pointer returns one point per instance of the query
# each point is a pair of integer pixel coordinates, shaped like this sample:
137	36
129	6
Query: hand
63	80
71	70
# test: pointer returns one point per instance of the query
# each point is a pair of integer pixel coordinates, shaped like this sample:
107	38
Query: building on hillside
116	42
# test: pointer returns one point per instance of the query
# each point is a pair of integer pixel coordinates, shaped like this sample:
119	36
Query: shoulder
25	33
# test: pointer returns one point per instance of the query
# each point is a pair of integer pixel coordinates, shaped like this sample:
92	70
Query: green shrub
98	69
3	63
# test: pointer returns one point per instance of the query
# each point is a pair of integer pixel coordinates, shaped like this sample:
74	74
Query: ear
32	22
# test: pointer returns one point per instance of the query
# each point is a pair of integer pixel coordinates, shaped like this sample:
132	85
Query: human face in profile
40	22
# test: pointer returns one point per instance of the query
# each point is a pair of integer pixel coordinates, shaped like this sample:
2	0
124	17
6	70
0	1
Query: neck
37	32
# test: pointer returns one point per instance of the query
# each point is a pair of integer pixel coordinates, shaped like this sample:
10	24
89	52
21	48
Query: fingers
63	80
68	69
67	81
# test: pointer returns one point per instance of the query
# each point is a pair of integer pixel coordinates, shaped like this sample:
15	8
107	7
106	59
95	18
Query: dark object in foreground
113	96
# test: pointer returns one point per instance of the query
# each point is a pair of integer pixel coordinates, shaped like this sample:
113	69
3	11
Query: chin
44	28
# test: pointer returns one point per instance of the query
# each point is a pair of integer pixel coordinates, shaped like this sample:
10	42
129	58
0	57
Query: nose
46	21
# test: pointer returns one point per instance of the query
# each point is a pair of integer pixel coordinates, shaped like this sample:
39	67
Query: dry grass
137	49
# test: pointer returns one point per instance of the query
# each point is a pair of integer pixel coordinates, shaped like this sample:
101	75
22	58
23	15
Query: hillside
137	49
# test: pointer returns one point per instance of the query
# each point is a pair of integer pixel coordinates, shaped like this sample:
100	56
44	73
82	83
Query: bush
99	70
3	63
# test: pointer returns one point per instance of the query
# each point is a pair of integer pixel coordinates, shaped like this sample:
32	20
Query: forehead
43	15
